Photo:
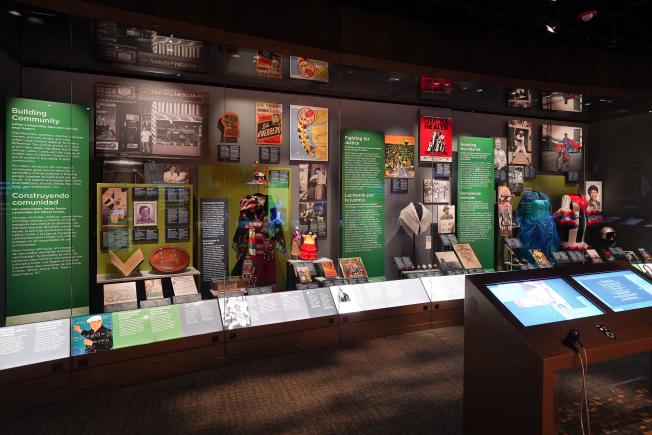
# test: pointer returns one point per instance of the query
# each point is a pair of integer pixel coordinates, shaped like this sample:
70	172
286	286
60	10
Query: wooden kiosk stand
510	369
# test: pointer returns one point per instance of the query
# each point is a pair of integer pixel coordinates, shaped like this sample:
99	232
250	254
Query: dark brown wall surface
330	25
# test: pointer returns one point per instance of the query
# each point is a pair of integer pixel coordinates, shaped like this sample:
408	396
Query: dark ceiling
619	25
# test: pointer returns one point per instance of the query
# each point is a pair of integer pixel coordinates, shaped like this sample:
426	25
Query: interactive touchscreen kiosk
543	301
620	290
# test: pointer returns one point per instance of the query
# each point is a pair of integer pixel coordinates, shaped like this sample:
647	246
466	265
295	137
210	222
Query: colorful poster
435	139
562	101
521	98
269	65
432	86
229	125
519	135
47	179
593	191
120	43
399	156
308	133
561	148
308	69
475	196
363	198
147	121
269	124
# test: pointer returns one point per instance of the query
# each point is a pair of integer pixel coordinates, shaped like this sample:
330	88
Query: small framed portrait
145	213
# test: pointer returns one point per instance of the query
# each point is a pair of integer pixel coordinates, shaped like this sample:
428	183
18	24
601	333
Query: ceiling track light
551	29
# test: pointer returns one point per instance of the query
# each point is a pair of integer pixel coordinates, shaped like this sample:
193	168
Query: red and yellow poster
435	139
269	124
269	64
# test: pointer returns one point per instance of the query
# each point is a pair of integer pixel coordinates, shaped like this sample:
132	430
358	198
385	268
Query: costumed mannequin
297	239
536	225
256	240
309	247
574	220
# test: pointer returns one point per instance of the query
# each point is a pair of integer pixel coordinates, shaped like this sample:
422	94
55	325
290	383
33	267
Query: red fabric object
308	251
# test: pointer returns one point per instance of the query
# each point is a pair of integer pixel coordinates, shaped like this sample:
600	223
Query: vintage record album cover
467	257
327	267
448	261
540	258
399	156
352	268
308	133
435	139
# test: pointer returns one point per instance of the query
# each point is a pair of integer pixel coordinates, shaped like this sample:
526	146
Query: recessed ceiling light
35	20
15	13
551	29
394	79
479	90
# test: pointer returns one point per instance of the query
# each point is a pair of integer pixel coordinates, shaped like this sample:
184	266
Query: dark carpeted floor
409	383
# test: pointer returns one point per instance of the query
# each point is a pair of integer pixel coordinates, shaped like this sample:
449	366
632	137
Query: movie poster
521	98
436	191
308	69
308	133
147	121
519	137
269	124
120	43
435	139
399	156
562	101
593	191
269	65
561	148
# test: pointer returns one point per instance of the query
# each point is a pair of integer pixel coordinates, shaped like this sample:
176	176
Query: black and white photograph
436	191
313	217
149	121
519	134
562	101
313	182
519	97
515	179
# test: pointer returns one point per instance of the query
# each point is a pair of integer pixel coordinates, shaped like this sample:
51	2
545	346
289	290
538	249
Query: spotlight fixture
15	13
394	79
551	29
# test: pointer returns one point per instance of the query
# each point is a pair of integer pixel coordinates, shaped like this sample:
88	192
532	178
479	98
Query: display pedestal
256	342
386	321
121	367
510	371
36	383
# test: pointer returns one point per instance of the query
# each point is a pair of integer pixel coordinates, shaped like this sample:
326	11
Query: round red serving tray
169	259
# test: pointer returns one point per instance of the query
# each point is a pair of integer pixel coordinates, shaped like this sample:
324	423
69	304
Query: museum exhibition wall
159	188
